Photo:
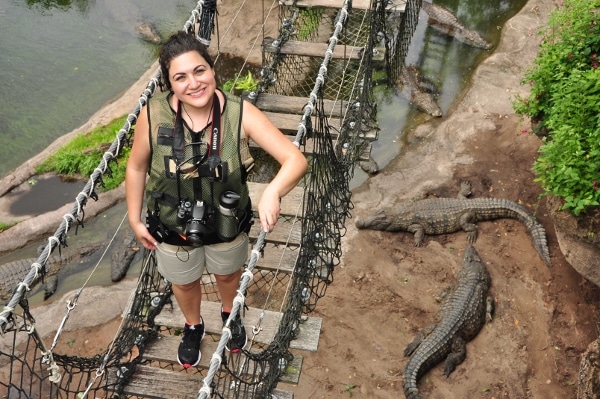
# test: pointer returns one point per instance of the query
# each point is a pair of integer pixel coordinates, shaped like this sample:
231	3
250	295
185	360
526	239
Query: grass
5	226
79	157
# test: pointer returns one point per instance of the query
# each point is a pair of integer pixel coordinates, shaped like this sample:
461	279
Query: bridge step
287	230
289	123
158	383
291	204
399	5
295	105
307	338
309	49
277	103
164	350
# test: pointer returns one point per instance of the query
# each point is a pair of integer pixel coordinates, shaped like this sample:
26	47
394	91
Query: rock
589	373
370	166
578	238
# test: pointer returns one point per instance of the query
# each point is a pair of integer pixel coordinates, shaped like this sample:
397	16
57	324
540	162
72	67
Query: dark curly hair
179	43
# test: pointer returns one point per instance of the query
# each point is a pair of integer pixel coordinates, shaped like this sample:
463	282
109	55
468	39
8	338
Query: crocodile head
379	220
472	38
426	103
471	254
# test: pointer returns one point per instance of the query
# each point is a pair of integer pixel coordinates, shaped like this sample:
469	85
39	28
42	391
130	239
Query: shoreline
29	229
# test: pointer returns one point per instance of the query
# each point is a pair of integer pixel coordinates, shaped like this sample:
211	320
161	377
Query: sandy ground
385	288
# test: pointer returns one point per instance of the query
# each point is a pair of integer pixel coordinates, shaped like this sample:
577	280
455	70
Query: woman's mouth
196	94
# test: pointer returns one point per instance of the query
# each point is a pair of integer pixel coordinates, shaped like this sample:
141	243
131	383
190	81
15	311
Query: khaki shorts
183	265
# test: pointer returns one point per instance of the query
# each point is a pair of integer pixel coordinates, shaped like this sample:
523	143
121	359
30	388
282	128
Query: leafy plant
310	20
83	154
246	83
564	95
349	388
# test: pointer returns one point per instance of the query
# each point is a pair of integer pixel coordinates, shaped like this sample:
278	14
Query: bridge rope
322	215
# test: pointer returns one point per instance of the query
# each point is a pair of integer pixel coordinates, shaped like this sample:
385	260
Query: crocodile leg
466	223
489	309
456	356
420	337
419	233
50	286
465	190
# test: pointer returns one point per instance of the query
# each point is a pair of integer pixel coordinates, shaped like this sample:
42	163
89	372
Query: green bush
83	154
565	98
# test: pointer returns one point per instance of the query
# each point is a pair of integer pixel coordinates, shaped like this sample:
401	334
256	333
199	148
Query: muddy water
445	62
61	61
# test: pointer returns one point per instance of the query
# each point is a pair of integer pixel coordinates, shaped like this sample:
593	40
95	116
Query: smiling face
192	79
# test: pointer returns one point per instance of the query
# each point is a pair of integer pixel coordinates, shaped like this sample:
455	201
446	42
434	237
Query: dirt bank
384	291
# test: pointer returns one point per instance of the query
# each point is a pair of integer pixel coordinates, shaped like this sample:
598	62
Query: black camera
194	217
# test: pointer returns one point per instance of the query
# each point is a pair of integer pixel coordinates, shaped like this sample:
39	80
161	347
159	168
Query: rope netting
335	127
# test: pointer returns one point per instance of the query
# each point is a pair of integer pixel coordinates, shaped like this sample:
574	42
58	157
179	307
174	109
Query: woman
192	141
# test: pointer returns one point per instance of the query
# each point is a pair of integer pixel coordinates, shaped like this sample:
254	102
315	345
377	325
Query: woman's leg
189	297
228	285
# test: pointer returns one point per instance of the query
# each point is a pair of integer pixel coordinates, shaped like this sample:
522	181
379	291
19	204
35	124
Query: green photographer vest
166	188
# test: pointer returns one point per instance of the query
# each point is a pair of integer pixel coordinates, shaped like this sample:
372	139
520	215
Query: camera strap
178	149
214	151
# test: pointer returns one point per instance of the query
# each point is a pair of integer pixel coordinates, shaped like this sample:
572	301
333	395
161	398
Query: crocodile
417	91
148	33
13	273
448	215
123	255
462	314
442	20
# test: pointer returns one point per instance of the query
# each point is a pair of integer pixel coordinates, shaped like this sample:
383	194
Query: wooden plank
164	349
291	204
396	5
307	148
295	105
157	383
289	123
285	232
280	258
307	338
308	49
356	4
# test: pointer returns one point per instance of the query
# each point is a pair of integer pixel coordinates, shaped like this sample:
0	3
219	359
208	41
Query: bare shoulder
256	123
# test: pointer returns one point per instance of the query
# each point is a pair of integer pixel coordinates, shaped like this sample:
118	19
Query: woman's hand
144	236
268	209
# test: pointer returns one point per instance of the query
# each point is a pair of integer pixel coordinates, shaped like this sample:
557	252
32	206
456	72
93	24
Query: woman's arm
135	180
293	163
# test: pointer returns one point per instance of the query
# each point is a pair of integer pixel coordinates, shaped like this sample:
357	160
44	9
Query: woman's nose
193	81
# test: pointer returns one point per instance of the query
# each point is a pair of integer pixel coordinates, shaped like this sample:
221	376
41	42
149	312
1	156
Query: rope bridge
288	271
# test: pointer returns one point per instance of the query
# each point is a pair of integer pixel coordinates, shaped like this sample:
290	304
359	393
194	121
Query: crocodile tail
411	374
411	393
538	234
539	241
510	209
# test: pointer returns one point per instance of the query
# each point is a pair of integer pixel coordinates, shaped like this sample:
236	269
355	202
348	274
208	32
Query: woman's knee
194	285
228	278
